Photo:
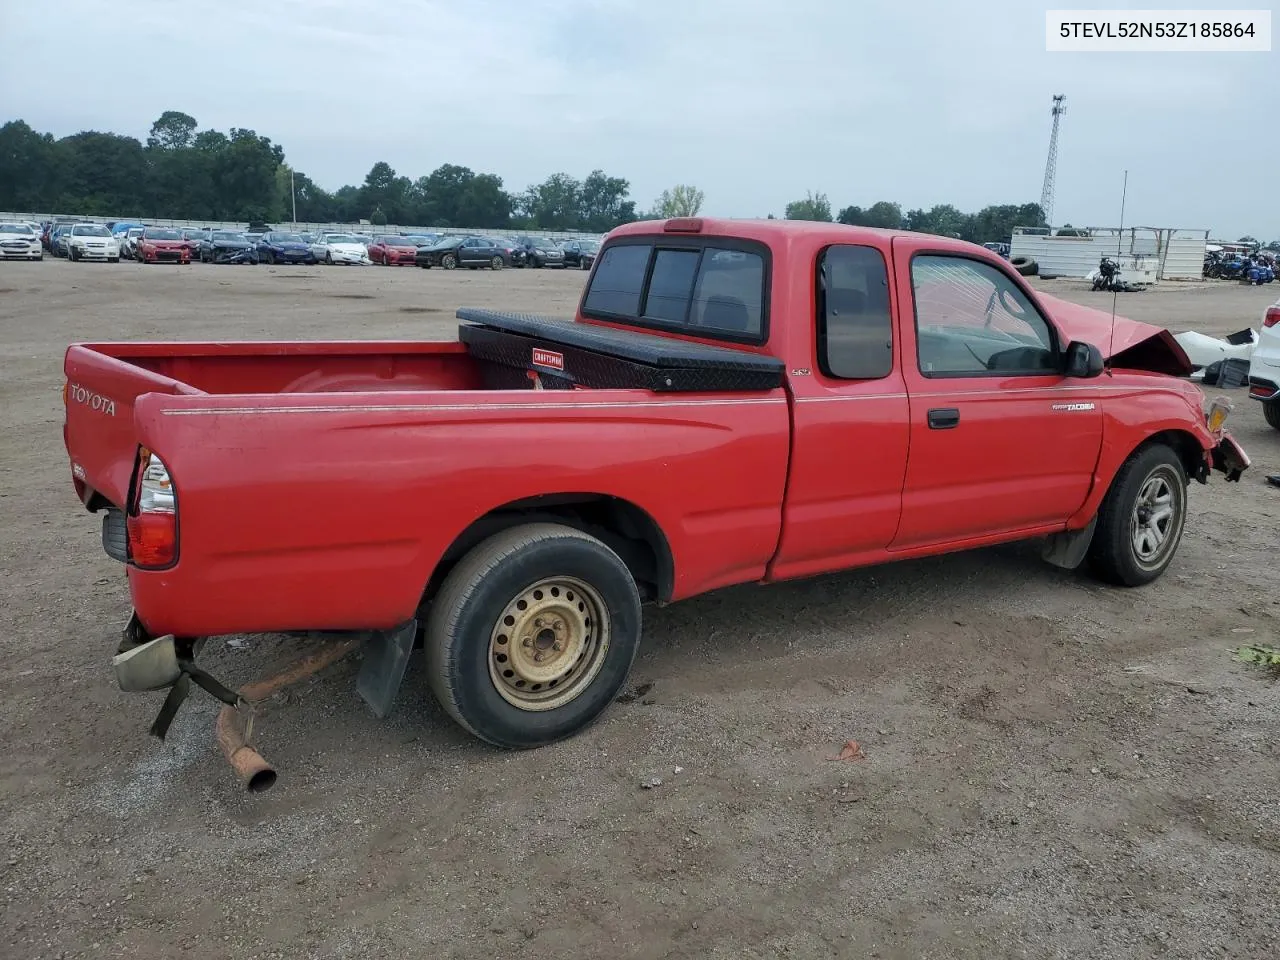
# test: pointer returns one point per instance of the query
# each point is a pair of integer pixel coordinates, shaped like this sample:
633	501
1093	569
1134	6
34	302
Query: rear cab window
709	287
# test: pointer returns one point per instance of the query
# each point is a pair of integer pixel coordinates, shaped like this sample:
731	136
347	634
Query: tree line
184	173
992	224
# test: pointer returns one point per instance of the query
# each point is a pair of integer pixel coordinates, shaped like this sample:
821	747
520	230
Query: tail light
1272	316
153	520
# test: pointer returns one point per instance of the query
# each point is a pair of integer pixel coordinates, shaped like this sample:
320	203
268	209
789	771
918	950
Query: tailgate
99	432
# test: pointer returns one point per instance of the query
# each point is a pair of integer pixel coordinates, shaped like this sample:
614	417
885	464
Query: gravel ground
1052	768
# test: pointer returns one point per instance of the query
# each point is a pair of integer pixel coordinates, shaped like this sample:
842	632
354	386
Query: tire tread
1108	553
463	580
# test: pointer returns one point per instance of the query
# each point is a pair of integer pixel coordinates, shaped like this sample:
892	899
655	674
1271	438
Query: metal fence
363	227
1155	253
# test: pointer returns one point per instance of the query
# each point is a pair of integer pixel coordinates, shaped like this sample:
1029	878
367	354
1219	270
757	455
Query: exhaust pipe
234	731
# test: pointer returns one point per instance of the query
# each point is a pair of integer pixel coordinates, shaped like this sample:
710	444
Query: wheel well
1185	445
627	529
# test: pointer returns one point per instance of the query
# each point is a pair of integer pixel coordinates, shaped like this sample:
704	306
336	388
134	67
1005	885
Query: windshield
90	230
18	228
135	232
162	235
227	235
539	242
589	246
286	238
396	241
339	238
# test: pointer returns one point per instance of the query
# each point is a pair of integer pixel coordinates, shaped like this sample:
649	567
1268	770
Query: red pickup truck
734	401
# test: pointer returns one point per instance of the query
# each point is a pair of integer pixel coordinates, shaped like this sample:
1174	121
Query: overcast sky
754	101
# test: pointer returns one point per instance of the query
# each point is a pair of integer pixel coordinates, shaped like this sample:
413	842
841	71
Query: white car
19	242
129	242
1264	365
92	241
340	248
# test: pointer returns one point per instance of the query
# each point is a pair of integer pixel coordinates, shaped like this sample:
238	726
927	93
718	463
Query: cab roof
781	232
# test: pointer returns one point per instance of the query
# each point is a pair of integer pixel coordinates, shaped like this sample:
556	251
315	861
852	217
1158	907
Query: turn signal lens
1217	415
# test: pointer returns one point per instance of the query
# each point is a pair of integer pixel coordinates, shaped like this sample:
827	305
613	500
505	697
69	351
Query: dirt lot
1053	769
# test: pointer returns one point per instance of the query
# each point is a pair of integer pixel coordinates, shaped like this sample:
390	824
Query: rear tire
482	638
1271	410
1141	519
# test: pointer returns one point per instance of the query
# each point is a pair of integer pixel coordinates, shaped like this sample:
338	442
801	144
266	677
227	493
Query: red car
734	402
393	251
162	245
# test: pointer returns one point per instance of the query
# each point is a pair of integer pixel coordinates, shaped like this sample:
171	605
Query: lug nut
528	642
558	646
539	657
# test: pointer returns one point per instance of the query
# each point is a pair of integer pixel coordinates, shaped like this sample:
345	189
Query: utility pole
1051	165
293	190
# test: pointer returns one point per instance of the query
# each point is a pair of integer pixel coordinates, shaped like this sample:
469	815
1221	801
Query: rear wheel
532	635
328	257
1271	410
1141	519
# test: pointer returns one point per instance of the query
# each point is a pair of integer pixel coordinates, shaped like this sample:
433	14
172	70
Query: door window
972	320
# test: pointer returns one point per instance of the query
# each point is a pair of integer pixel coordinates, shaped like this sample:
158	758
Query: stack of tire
1025	266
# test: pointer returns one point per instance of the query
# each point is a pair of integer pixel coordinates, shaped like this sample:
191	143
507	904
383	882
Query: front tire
1141	519
532	635
1271	411
496	263
449	261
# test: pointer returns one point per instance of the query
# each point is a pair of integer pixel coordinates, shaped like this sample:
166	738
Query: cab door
850	419
1001	440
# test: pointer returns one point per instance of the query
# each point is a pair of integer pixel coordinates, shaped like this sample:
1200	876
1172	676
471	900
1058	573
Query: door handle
944	418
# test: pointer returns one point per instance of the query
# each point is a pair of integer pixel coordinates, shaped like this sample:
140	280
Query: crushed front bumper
1229	457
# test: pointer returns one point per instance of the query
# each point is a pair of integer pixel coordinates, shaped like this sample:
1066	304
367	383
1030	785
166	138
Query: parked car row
262	244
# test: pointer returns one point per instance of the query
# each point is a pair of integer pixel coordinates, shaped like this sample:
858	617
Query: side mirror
1083	360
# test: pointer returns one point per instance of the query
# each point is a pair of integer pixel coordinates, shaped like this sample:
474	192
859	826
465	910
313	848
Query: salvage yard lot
1053	768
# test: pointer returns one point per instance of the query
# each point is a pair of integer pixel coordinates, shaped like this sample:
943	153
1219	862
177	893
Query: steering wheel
1011	305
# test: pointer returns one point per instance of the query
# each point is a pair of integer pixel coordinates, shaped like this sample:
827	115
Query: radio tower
1051	165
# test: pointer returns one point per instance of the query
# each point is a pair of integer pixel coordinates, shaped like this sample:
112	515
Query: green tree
104	174
886	215
815	206
174	130
681	200
853	216
245	176
943	220
28	171
603	203
552	204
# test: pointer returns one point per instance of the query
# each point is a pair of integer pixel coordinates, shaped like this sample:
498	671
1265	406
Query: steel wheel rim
1156	519
549	644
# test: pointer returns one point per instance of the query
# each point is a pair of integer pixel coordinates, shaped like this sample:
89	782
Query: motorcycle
1107	277
1258	273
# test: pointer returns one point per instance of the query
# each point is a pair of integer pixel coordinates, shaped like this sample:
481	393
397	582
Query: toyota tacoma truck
733	401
